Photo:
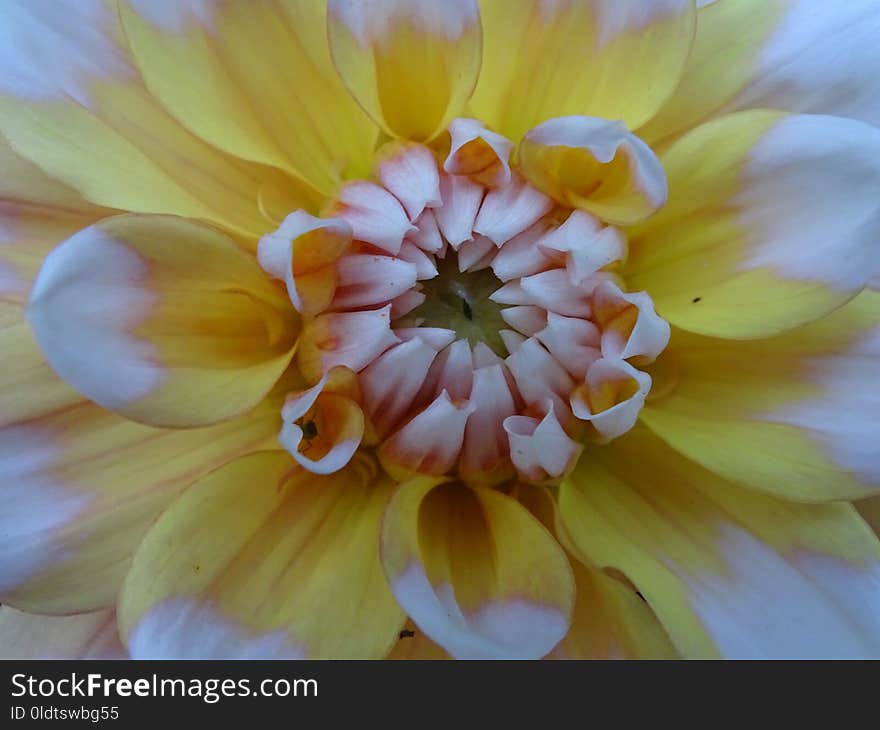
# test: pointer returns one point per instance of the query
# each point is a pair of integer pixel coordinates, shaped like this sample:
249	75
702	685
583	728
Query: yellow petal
261	560
595	165
795	415
729	572
81	636
771	222
475	571
267	90
72	102
411	64
617	59
161	319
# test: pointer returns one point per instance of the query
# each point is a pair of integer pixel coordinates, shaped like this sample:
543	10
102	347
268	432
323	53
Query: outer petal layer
772	221
617	59
72	102
268	90
476	572
610	620
728	572
392	52
161	319
796	55
797	415
262	560
79	487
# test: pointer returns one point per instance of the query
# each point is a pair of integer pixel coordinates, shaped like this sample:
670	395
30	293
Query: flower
536	329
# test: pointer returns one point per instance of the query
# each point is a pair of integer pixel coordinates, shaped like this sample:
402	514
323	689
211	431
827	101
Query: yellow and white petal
729	572
807	56
617	59
80	636
261	559
772	221
611	397
268	91
72	102
161	319
478	152
324	425
475	571
594	165
391	52
80	486
797	415
303	253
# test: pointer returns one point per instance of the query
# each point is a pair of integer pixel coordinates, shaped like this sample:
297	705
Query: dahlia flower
407	328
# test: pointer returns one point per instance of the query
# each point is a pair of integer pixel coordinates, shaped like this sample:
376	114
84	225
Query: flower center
460	301
459	323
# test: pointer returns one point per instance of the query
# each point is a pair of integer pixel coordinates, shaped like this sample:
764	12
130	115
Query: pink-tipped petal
406	303
574	342
472	253
352	339
409	172
585	245
455	370
436	337
430	443
461	201
374	214
539	376
391	383
509	210
540	449
521	256
427	234
485	448
365	280
553	291
425	266
526	319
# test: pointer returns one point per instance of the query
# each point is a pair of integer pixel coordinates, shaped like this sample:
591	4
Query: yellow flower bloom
422	329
